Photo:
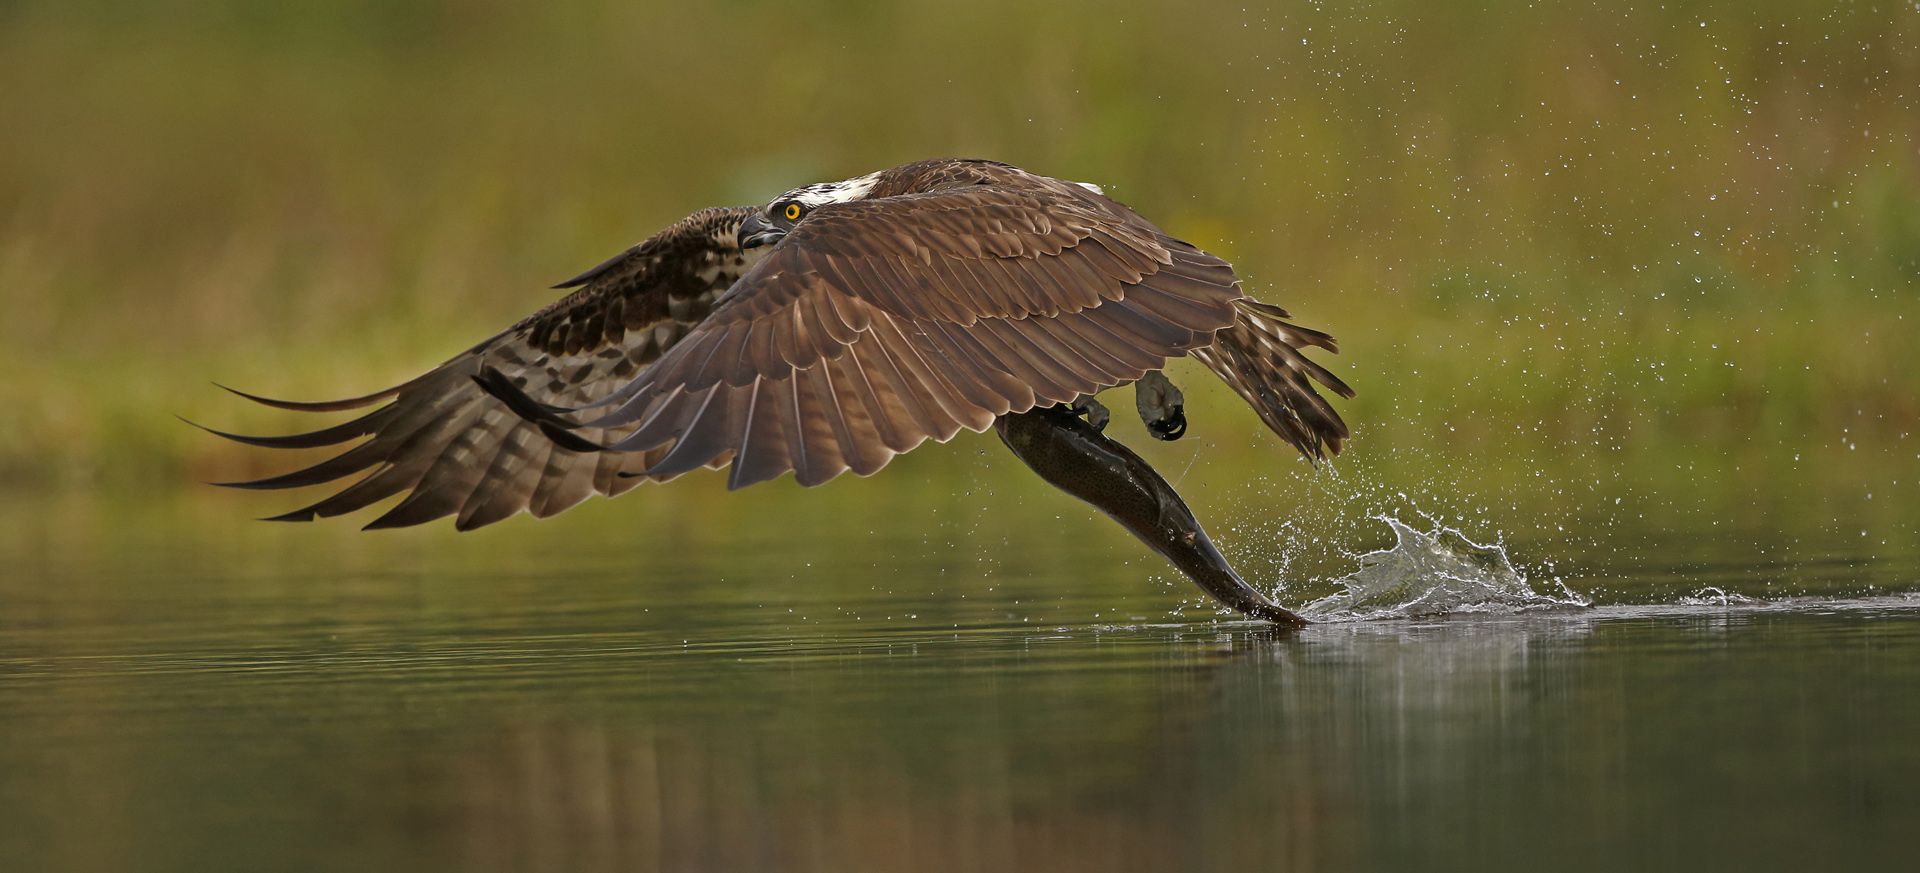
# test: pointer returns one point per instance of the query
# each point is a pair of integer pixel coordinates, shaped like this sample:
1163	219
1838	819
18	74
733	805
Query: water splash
1434	572
1714	596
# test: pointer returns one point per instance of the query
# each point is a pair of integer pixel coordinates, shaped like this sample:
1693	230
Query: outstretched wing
454	449
878	324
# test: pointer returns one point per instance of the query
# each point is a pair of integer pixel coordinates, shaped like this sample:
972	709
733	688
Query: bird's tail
1260	356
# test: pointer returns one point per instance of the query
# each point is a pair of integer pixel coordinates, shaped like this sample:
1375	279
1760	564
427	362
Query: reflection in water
1360	744
180	698
596	797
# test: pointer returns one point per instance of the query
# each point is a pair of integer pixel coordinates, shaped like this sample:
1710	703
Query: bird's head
779	216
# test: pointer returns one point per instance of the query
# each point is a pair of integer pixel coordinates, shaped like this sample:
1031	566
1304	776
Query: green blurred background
1632	233
1632	289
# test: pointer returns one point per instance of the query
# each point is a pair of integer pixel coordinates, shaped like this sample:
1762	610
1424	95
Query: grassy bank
1617	228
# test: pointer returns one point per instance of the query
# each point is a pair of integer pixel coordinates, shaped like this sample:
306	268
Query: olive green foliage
1558	223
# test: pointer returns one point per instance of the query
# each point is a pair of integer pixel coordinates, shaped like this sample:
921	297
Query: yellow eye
793	212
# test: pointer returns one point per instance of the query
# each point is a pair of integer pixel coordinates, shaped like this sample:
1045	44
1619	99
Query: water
907	673
1619	572
1435	572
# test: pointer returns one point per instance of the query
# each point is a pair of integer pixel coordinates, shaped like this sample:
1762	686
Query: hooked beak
756	232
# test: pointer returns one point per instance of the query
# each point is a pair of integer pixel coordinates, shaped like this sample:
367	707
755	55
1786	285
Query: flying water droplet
1435	572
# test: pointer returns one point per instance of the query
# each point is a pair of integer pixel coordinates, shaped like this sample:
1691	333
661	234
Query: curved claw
1077	459
1092	410
1172	427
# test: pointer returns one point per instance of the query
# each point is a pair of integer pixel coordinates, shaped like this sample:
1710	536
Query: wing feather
567	481
871	389
522	452
874	326
949	309
763	445
453	447
1259	357
451	476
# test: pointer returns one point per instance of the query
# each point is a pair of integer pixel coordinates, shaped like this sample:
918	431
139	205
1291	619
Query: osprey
830	330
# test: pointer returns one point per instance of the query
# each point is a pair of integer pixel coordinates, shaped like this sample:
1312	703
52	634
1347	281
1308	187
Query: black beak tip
754	232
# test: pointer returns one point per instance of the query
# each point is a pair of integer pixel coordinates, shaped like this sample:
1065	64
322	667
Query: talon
1161	406
1092	410
1171	428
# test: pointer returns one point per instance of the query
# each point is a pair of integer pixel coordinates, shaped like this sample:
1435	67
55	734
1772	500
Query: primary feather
906	306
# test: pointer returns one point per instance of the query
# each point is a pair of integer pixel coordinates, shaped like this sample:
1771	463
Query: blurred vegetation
1564	224
1635	289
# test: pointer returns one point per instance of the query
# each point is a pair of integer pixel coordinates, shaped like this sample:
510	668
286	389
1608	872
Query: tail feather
1260	358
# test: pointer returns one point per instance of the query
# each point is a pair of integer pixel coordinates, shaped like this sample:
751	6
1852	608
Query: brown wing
876	325
1260	357
455	450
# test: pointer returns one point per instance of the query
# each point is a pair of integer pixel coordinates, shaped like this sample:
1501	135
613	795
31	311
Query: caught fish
1077	458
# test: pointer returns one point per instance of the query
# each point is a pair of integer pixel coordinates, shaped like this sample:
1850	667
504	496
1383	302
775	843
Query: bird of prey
829	330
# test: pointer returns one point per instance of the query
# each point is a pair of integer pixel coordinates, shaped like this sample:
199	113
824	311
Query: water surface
959	678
